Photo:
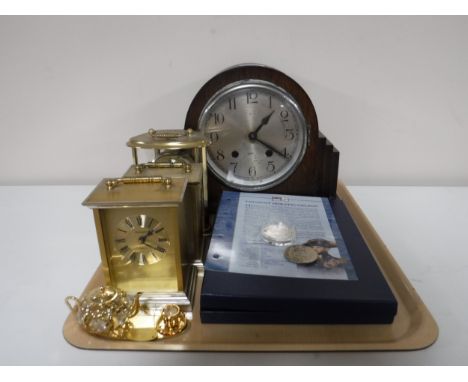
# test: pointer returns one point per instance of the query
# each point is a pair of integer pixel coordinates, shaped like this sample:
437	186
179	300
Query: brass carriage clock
178	154
149	222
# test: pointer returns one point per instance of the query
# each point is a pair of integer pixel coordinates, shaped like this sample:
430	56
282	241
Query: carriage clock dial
141	240
258	133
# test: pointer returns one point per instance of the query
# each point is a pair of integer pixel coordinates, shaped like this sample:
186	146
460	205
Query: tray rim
424	331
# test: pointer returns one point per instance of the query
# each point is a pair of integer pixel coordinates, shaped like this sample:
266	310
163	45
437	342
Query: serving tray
413	327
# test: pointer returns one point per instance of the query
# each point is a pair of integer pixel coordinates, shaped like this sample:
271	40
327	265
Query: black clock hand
142	239
156	229
159	249
263	122
270	147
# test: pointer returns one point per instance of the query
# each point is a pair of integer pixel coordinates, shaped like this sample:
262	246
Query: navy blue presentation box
228	297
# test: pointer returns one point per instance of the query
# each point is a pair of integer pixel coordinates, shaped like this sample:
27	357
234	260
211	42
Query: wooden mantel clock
264	133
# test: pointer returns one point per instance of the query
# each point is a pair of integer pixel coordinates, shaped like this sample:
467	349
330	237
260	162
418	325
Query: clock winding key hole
235	154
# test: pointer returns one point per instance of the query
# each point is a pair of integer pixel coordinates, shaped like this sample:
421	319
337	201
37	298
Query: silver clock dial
258	135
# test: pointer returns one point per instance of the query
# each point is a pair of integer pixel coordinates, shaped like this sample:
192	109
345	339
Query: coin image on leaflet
300	254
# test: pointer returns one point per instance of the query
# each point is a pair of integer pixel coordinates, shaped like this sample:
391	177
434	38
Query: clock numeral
286	154
139	221
139	258
252	97
163	240
124	249
218	118
220	155
129	223
232	103
252	171
271	166
161	249
284	115
157	230
149	223
120	240
234	164
214	137
158	248
289	134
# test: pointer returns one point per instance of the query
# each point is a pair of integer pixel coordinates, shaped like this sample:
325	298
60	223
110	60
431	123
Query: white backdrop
391	93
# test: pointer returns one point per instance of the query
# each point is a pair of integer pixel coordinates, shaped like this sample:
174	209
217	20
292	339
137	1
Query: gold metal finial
167	182
139	168
111	183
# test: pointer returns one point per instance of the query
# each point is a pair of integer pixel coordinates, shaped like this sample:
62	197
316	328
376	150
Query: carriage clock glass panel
142	248
141	239
258	134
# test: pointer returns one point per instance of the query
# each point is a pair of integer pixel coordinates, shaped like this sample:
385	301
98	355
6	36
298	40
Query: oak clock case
264	134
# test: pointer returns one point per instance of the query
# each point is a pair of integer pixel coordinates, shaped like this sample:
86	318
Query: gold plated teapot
105	311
